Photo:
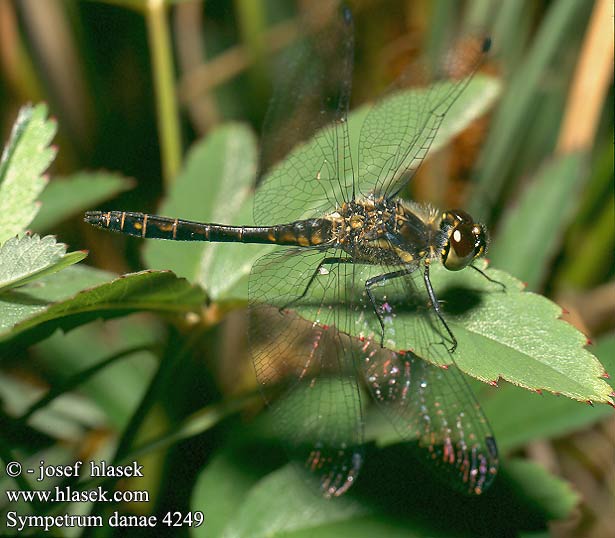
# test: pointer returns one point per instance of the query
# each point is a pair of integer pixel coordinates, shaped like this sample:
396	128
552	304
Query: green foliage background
154	366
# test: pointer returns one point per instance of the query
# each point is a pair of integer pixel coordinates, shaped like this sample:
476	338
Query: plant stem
164	87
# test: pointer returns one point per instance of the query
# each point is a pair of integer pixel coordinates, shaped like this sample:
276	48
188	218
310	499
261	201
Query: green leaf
528	255
512	334
60	301
25	259
214	184
301	509
65	197
251	507
554	496
518	416
24	159
220	489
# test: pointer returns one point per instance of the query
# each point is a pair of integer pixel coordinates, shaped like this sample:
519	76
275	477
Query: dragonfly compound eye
465	243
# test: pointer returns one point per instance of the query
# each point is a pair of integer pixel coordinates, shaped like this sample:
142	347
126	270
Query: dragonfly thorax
397	232
385	231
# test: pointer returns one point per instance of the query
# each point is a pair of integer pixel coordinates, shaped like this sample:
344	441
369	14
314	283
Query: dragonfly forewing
400	128
307	115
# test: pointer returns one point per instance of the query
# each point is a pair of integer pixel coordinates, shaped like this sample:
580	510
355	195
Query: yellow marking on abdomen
287	237
316	238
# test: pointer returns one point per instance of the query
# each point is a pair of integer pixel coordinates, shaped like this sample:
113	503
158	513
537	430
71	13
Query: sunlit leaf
514	335
519	416
25	259
78	295
25	158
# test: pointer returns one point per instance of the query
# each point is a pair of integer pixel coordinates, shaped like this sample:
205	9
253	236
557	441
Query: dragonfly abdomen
305	233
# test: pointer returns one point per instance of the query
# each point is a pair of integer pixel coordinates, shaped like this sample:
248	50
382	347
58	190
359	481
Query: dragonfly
349	258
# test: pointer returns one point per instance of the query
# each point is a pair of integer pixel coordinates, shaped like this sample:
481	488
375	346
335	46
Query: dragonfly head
465	240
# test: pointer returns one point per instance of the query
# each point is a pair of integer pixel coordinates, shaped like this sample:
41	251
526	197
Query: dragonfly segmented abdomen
303	233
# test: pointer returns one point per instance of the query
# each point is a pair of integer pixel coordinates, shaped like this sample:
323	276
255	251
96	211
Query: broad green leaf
215	182
18	306
369	526
516	415
263	514
519	416
65	197
78	295
25	158
527	254
554	496
220	489
512	334
226	276
28	258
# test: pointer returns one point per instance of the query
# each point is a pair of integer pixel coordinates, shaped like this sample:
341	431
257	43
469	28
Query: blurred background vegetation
134	83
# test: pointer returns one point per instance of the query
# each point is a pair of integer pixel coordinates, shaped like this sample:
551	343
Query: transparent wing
436	407
318	411
400	128
312	94
417	385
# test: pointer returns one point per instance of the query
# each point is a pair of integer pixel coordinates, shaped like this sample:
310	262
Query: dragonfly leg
436	306
488	277
325	261
371	282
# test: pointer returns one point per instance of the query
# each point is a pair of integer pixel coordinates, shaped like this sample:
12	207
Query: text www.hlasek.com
67	494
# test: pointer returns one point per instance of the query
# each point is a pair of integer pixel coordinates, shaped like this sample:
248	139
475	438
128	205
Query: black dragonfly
323	309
